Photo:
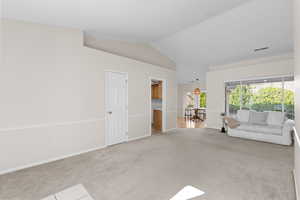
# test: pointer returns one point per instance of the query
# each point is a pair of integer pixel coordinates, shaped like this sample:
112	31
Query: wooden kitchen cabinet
157	91
157	119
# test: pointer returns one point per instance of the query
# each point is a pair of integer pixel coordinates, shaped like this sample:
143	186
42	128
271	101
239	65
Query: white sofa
263	126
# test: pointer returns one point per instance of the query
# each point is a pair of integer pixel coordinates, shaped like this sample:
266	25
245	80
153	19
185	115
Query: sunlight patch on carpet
77	192
188	192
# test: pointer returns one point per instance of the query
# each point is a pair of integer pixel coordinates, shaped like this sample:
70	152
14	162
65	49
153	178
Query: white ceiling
230	37
194	33
138	20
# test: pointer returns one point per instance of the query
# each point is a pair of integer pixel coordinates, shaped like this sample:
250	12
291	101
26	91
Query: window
190	100
203	100
272	94
289	90
233	98
200	100
195	101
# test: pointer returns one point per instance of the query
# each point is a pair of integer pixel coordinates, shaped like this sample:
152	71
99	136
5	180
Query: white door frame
105	106
164	105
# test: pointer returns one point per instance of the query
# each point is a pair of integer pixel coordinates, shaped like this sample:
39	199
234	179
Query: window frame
241	83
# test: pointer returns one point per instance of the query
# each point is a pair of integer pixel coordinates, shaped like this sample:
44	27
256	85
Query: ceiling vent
261	49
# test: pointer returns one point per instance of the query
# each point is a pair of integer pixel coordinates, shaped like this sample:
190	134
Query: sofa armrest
288	126
287	132
289	123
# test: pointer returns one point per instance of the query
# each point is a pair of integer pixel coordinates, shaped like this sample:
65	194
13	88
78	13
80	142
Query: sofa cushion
258	117
263	129
275	118
243	115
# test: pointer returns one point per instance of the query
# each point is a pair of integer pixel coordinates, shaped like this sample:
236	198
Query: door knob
109	112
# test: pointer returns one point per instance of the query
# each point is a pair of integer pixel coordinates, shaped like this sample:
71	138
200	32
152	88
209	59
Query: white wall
183	89
52	94
281	65
137	51
297	97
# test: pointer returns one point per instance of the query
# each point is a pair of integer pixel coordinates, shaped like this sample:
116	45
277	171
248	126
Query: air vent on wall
261	49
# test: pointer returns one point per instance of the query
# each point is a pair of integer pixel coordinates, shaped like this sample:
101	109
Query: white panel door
116	107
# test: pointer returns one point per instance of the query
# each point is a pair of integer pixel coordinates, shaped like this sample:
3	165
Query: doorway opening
157	106
194	105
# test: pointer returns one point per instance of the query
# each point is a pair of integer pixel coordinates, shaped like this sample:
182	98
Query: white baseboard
145	136
214	127
138	138
170	129
62	157
296	185
296	142
49	160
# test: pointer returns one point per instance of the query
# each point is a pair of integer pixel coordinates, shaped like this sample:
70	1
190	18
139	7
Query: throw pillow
243	115
275	118
258	117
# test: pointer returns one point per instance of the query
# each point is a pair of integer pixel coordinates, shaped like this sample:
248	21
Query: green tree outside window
203	100
265	99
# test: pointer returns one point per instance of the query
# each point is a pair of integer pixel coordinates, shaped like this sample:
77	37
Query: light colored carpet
156	168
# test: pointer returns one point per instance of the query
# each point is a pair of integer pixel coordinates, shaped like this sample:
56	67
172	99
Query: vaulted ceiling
137	20
193	33
230	37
